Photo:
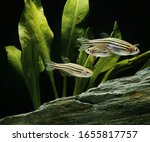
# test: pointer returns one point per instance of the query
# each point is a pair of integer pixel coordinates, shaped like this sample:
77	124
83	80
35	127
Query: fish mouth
135	52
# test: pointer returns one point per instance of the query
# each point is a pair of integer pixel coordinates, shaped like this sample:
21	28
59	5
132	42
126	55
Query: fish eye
87	50
92	50
85	72
136	49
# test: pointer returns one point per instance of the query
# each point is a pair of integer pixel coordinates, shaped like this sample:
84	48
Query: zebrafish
69	68
114	45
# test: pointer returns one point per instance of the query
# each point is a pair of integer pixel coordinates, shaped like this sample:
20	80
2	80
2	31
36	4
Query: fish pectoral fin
63	73
84	47
65	60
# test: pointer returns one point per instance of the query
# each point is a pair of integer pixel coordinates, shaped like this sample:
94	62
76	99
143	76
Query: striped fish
114	45
69	68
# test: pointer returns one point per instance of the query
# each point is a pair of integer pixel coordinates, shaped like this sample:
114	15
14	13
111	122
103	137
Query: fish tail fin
49	65
84	43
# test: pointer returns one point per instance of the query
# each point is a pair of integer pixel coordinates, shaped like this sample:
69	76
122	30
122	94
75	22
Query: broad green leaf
73	26
33	25
103	64
14	58
35	38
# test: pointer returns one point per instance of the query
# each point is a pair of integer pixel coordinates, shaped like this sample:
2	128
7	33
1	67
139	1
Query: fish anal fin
65	59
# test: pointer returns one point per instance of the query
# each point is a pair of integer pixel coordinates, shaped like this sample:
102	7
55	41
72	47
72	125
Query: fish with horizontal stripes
113	45
69	68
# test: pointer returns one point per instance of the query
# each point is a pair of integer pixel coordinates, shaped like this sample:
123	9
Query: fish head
134	49
90	50
124	51
87	73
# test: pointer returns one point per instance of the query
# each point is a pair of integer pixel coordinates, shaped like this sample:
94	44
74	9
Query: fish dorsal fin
104	35
65	60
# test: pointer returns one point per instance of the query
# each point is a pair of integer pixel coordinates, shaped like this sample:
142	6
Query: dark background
132	17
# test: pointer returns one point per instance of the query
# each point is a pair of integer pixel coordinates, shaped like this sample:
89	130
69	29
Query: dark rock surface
119	101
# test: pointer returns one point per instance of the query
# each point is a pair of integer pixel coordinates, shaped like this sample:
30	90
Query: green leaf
73	26
33	25
35	38
103	64
41	65
14	58
116	32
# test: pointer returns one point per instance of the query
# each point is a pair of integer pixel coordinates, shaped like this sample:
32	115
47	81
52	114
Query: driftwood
119	101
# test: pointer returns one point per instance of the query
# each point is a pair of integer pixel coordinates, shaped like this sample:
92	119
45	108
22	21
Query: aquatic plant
36	39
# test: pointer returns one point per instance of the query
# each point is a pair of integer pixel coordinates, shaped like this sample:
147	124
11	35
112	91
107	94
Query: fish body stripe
109	40
112	42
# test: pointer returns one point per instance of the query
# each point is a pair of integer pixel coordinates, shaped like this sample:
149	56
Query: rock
118	101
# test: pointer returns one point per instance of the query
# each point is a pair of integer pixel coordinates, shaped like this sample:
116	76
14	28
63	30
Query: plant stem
77	87
64	93
51	76
36	96
33	86
81	83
